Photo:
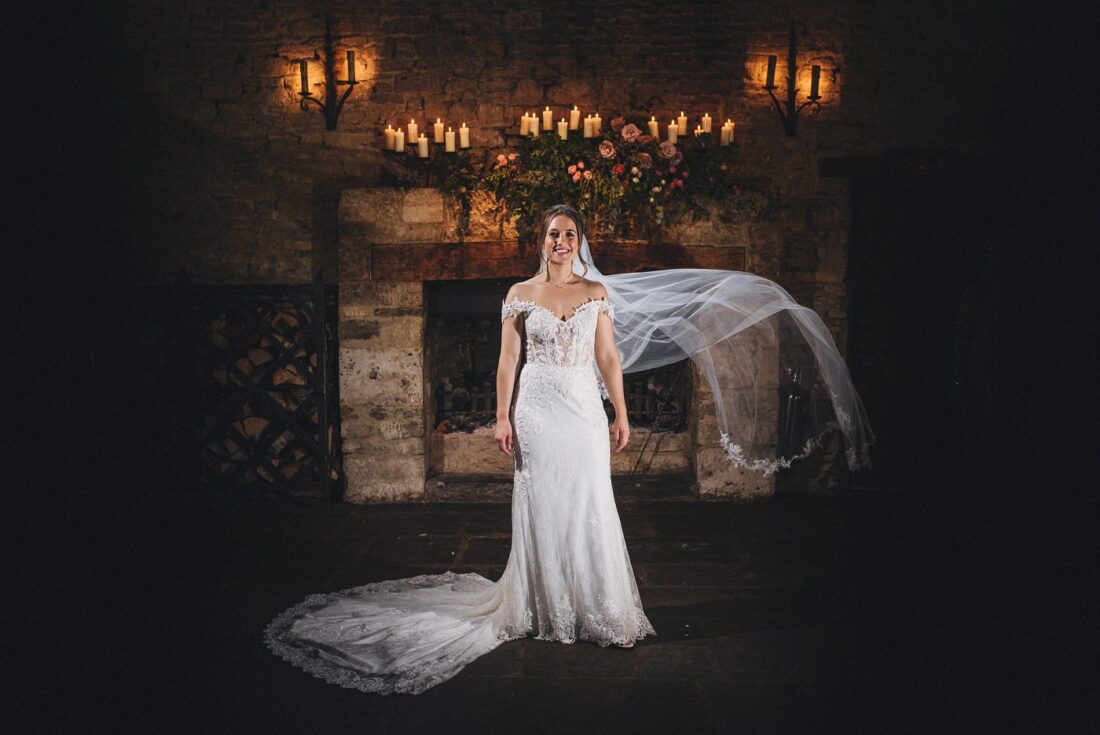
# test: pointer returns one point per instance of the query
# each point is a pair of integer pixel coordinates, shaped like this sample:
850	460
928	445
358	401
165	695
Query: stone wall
241	185
237	184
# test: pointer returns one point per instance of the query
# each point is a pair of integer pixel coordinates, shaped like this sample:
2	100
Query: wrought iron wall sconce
333	102
789	116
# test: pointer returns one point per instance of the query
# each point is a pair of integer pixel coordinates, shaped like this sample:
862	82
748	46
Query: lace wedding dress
568	575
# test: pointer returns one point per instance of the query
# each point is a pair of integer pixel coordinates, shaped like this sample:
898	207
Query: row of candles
397	140
593	126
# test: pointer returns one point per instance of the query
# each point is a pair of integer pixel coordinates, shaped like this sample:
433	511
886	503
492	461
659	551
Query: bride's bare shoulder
521	291
594	289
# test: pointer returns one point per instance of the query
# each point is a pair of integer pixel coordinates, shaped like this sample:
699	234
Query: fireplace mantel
447	261
412	236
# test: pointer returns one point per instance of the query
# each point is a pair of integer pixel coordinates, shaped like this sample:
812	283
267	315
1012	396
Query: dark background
990	528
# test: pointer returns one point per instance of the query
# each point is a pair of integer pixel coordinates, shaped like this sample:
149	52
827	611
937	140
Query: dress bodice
561	342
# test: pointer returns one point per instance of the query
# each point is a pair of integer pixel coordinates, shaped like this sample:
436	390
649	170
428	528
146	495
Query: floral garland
621	180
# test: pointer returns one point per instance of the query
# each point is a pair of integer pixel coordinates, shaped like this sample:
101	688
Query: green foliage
621	179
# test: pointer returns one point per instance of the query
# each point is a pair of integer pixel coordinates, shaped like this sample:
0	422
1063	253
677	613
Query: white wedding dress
568	575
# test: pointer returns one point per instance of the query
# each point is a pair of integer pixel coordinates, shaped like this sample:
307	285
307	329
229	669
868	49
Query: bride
568	576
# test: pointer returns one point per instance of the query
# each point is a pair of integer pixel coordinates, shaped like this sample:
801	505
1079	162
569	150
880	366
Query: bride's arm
510	346
607	360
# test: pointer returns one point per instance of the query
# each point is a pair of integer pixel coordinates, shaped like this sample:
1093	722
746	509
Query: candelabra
333	101
789	116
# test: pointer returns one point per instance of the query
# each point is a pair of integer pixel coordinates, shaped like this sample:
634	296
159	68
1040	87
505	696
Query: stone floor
795	614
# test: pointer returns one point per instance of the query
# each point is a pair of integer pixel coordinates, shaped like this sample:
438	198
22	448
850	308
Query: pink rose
667	150
502	159
572	169
617	123
684	175
607	150
587	175
645	160
672	169
580	165
512	156
630	132
576	176
645	139
618	169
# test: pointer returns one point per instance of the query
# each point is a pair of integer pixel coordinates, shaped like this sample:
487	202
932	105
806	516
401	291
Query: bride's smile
561	243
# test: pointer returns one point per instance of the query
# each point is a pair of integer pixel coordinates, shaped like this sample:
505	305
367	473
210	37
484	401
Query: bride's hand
620	430
503	436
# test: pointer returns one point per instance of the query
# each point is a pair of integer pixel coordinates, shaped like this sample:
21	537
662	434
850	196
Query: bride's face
561	240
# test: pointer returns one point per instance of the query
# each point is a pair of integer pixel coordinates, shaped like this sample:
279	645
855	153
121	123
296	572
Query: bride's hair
547	217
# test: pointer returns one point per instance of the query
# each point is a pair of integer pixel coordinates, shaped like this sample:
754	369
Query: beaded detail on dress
555	341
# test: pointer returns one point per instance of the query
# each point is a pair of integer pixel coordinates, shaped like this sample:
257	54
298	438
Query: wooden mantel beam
509	259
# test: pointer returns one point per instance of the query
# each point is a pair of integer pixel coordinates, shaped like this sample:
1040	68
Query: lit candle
732	124
438	130
725	138
399	141
574	118
698	130
449	138
597	124
654	128
389	138
706	123
563	129
815	79
422	145
547	119
412	131
588	127
351	66
673	131
464	136
681	124
524	124
304	66
770	83
534	129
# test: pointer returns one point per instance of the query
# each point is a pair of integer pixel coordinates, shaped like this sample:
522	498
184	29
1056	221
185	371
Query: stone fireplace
419	336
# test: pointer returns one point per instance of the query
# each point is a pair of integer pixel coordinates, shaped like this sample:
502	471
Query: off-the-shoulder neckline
576	309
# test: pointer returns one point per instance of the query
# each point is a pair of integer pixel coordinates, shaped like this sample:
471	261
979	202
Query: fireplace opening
462	346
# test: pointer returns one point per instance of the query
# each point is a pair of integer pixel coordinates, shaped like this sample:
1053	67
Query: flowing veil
779	383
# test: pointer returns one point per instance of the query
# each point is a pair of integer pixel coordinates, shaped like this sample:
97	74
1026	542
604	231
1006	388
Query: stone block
368	296
381	376
717	477
626	461
469	453
374	479
383	333
421	206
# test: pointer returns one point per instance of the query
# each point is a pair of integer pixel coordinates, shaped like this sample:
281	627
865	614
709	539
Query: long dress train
568	575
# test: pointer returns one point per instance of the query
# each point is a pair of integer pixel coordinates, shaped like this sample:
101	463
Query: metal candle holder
789	116
333	102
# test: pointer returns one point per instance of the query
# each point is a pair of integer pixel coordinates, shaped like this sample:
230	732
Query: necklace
563	284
